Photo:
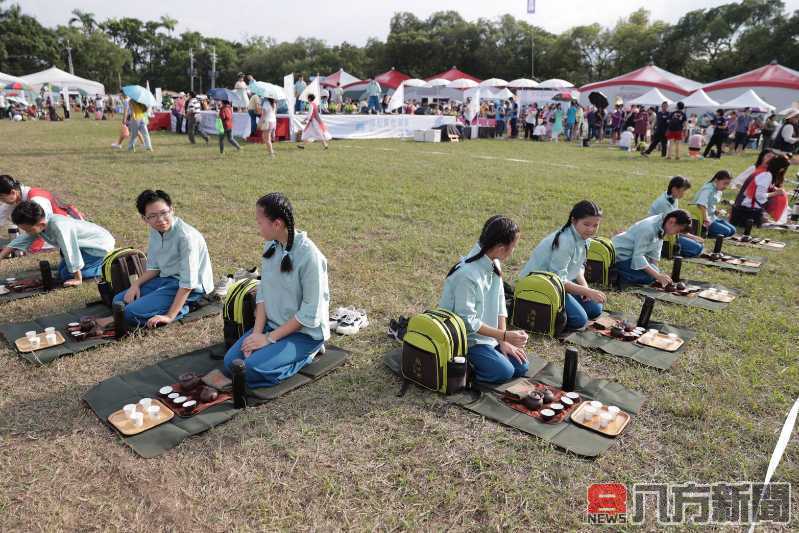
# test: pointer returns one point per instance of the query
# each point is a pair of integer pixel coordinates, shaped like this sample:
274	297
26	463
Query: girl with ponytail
690	245
473	289
563	252
638	248
706	200
291	315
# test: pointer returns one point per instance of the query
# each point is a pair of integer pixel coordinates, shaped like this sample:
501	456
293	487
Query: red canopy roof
341	77
452	75
649	76
772	75
391	79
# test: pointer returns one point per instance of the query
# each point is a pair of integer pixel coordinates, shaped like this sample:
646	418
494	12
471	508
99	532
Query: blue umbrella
137	93
225	95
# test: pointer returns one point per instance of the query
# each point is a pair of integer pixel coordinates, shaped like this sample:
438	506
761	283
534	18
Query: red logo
607	498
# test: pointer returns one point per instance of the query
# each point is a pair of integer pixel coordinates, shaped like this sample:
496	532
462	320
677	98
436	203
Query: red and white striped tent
774	83
639	82
341	77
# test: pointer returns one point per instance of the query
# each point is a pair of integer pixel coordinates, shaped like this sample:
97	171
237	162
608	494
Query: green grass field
391	217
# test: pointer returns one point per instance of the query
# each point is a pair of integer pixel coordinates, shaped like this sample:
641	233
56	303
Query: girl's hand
512	352
595	296
253	342
72	283
517	338
131	294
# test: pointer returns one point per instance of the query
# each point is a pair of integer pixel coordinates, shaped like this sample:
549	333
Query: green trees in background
705	44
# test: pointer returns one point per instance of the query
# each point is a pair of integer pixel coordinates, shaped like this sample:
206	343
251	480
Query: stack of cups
33	339
50	335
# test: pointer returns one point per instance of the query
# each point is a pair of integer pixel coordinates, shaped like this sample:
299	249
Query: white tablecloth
241	123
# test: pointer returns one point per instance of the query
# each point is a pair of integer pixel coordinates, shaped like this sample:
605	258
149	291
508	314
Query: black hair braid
9	184
286	264
556	240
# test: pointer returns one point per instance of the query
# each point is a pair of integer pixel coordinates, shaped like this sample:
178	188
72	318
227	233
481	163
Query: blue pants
253	122
579	311
156	297
91	267
492	366
633	277
136	127
275	362
374	103
689	247
720	228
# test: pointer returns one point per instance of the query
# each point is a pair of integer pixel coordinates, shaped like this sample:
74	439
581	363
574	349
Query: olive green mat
691	300
646	355
485	400
112	394
13	331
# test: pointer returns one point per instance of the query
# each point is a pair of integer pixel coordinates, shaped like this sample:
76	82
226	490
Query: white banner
288	88
378	126
531	6
313	88
241	123
398	98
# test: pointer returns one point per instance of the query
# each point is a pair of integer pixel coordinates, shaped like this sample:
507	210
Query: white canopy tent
6	79
555	83
700	100
488	93
748	99
56	76
651	98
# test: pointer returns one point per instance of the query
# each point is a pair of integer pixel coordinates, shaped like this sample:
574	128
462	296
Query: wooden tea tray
717	295
513	397
661	341
24	345
192	395
759	242
614	429
124	425
743	261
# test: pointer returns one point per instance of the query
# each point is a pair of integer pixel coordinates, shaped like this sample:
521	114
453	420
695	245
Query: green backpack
238	312
599	265
121	266
433	339
539	304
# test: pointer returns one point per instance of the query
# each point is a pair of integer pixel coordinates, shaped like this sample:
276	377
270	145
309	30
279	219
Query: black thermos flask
47	275
718	244
646	312
120	325
239	385
570	369
676	268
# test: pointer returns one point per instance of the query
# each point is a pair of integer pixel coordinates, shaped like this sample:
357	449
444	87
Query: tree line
704	44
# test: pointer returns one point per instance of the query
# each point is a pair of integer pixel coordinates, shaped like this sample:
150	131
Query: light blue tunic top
567	260
662	206
70	236
475	293
302	293
181	253
641	243
708	196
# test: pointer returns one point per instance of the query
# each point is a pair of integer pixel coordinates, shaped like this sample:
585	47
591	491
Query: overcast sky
350	20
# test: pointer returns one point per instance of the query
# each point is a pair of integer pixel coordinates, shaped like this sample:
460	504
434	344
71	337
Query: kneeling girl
638	248
563	252
690	245
291	316
473	290
706	200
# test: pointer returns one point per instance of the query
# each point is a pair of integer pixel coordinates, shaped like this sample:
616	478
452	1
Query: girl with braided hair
563	252
291	315
690	245
473	290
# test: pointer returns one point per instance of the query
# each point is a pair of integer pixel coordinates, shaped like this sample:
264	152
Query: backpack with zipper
539	304
120	267
600	261
238	311
433	339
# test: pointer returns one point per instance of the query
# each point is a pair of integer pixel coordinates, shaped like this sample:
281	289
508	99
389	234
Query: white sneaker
116	146
222	286
352	323
337	315
244	273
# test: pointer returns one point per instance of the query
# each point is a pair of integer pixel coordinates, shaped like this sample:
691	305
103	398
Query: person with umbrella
140	100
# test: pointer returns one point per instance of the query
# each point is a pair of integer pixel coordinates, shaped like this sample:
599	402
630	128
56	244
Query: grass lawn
391	217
